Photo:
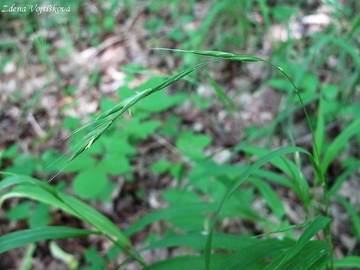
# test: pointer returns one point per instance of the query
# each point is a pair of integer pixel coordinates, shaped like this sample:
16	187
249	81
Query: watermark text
38	9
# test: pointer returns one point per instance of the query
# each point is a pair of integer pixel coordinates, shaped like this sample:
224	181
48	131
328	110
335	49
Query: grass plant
285	253
207	194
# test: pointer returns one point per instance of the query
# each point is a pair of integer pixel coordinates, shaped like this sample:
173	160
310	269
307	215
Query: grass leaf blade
24	237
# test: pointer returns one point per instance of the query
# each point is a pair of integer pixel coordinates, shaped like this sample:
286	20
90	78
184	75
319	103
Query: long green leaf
9	181
167	213
248	257
95	218
315	226
270	197
276	178
197	241
13	179
24	237
322	262
37	190
344	44
349	261
320	127
312	253
238	182
354	216
38	194
287	167
193	262
340	141
342	178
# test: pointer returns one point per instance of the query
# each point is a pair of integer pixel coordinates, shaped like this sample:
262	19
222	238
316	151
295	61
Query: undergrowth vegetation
258	196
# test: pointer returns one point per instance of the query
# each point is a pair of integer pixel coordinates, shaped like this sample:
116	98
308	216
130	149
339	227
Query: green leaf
330	92
23	164
170	126
315	226
174	211
344	45
189	222
193	262
249	256
160	166
240	180
24	237
115	163
36	193
90	182
109	23
105	194
338	143
71	122
20	211
354	216
270	197
40	191
148	127
93	257
82	163
180	196
141	130
320	128
322	262
192	144
40	216
118	143
239	204
50	158
151	83
354	166
14	179
349	261
309	83
283	13
311	253
160	101
279	84
96	219
10	152
197	241
277	178
287	166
